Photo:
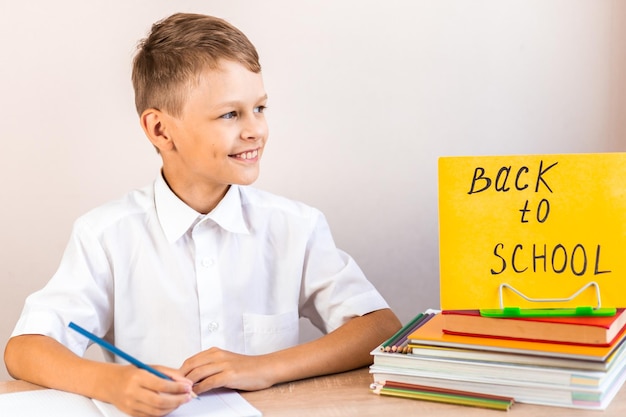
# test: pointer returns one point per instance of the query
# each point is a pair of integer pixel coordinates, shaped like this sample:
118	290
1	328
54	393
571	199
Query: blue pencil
116	351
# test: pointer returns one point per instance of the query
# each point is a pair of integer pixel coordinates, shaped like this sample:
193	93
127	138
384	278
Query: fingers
208	377
209	369
199	359
215	368
175	374
199	366
156	404
160	403
145	394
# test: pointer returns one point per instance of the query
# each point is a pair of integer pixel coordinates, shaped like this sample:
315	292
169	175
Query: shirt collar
176	217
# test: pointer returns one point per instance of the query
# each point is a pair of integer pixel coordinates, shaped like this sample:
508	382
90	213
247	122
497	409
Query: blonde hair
177	49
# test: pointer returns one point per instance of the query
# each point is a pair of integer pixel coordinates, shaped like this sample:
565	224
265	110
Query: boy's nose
254	128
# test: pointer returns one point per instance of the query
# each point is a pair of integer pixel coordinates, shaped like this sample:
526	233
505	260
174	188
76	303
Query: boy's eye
229	115
260	109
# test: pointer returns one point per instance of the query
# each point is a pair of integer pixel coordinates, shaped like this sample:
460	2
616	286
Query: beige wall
618	70
364	96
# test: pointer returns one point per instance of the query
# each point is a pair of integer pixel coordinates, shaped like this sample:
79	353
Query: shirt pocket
268	333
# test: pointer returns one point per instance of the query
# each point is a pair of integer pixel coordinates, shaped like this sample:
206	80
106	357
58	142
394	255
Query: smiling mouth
246	155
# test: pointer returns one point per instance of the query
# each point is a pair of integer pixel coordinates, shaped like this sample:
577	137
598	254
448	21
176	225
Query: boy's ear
154	124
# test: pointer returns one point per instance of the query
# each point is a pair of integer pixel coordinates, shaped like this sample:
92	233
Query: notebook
54	403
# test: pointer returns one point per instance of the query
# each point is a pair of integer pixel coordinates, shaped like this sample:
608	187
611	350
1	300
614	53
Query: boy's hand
46	362
139	393
331	353
215	368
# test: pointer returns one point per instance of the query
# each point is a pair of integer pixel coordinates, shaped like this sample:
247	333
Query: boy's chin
246	181
247	176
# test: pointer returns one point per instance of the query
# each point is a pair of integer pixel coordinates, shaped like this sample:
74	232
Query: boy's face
219	137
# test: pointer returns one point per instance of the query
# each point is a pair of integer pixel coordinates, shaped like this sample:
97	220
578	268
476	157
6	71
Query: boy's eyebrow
234	102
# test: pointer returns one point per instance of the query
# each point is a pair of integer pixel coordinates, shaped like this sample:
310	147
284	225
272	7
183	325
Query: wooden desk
347	395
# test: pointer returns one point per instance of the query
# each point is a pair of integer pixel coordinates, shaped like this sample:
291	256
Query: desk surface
348	394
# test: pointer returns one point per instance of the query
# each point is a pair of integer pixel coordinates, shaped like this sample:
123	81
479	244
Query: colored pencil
402	341
420	392
386	346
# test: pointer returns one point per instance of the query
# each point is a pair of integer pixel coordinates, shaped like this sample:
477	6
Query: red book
594	331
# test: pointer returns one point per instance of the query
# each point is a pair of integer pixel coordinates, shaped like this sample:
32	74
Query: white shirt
163	282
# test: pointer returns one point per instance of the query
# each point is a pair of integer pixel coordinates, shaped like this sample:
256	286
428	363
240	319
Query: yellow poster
544	225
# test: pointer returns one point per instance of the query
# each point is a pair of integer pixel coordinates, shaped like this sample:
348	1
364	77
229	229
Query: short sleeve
79	291
334	288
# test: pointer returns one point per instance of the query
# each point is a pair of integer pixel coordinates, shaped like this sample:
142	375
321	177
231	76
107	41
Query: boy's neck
199	197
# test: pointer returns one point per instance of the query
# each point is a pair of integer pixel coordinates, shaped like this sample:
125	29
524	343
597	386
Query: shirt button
207	262
213	326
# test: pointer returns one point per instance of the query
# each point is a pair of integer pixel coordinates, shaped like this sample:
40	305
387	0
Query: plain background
364	97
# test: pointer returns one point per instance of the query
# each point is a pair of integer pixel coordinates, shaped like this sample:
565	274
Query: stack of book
459	356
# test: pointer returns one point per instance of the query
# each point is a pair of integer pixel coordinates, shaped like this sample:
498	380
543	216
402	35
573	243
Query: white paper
53	403
46	403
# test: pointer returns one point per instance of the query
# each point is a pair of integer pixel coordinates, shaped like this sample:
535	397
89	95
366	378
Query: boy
198	272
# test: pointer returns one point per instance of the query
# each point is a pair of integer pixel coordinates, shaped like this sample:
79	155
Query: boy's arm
346	348
44	361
